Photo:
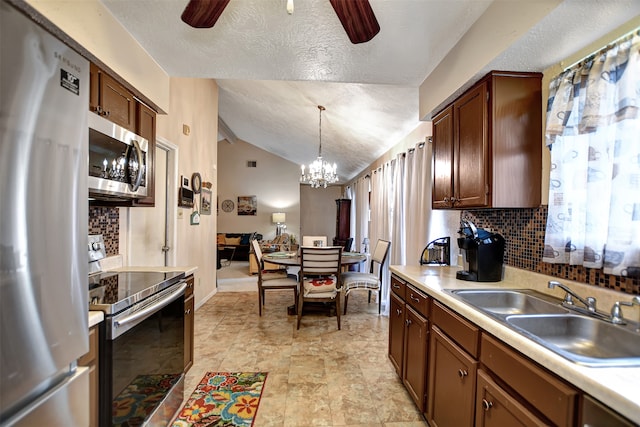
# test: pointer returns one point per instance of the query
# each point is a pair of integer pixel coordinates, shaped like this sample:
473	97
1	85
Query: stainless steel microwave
117	161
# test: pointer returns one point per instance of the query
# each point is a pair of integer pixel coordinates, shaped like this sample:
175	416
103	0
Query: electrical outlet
180	213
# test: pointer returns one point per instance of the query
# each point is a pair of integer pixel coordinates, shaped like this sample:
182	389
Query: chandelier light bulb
290	7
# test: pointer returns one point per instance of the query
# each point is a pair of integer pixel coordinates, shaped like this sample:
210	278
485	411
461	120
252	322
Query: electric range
112	292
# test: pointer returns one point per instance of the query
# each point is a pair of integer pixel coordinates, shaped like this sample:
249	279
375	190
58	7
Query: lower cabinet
91	360
409	338
452	383
189	318
416	339
473	378
396	332
496	408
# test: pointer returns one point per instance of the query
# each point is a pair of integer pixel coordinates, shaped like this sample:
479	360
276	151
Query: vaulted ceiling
273	69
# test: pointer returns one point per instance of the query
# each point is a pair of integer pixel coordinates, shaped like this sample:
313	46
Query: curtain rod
602	50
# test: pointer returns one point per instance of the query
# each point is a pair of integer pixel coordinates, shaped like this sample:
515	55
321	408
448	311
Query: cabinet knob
486	405
462	373
398	311
408	322
414	298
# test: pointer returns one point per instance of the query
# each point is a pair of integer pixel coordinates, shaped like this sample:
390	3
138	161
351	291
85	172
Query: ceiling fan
356	16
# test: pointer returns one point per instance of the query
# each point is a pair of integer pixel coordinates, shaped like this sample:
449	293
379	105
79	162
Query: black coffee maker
482	253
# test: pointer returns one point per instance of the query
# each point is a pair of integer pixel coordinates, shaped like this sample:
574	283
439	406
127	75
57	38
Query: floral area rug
223	399
132	407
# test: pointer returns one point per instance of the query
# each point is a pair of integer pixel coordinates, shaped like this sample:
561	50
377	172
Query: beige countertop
95	317
615	387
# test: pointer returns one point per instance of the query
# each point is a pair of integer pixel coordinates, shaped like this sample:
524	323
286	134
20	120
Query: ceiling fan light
290	7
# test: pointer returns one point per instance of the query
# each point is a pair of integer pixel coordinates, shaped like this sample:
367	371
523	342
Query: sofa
241	242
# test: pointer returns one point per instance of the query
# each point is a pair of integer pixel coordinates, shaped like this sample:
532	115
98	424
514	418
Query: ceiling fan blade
357	18
203	13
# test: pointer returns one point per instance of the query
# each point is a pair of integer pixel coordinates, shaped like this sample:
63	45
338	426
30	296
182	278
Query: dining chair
371	281
313	240
319	277
270	280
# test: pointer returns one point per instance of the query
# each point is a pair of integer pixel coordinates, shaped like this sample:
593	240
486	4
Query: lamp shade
278	217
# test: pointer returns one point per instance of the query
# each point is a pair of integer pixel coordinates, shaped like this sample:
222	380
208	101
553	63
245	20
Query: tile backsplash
523	230
106	221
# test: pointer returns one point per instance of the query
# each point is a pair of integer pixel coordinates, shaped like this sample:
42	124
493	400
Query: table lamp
279	218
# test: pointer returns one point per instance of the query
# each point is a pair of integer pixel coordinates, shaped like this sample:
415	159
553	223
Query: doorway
152	230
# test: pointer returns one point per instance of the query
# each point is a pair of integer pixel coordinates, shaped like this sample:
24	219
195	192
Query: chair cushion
221	239
354	279
316	285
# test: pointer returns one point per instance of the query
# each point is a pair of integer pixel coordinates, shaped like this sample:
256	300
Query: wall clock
196	183
227	205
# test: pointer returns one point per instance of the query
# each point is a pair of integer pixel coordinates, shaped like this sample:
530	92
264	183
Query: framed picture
247	205
205	202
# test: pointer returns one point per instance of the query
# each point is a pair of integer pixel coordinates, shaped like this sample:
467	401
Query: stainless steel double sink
579	338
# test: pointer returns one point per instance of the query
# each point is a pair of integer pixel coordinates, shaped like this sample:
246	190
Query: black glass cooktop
112	292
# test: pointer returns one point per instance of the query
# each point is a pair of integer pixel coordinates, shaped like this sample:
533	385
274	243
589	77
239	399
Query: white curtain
593	131
382	217
411	205
360	212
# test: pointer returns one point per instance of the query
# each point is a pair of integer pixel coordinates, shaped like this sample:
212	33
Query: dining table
292	259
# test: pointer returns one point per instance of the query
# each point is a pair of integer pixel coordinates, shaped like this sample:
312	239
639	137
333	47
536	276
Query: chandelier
320	173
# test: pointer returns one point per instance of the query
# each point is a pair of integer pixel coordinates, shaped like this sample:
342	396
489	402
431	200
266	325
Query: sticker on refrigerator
69	82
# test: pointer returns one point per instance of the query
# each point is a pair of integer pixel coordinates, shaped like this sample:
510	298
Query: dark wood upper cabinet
146	128
487	145
111	100
114	102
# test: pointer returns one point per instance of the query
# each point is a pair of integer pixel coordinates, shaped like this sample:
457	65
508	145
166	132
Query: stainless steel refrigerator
43	227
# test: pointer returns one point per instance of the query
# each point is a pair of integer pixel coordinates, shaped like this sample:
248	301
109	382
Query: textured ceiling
273	69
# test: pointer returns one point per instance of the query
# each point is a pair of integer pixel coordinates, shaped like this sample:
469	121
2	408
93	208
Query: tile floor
318	376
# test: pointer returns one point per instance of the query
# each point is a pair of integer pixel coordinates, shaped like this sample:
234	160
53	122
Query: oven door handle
152	308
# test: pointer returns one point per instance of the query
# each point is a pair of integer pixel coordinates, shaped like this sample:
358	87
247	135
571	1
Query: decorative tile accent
524	230
106	221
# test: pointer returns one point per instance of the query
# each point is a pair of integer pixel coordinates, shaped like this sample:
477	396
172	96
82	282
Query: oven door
143	361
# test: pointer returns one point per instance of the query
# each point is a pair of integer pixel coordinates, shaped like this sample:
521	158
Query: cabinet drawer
548	394
398	287
466	334
189	290
417	300
93	348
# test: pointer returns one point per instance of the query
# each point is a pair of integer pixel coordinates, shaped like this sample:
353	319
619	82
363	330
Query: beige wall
194	102
274	182
318	211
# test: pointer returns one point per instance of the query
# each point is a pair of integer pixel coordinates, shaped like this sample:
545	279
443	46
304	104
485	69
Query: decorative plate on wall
227	205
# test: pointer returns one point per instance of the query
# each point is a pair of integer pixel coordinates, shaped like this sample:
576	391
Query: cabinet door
415	356
396	332
442	159
471	149
146	128
118	103
452	383
94	88
496	408
189	317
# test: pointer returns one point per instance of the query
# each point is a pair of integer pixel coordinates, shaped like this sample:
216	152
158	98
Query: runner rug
226	399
